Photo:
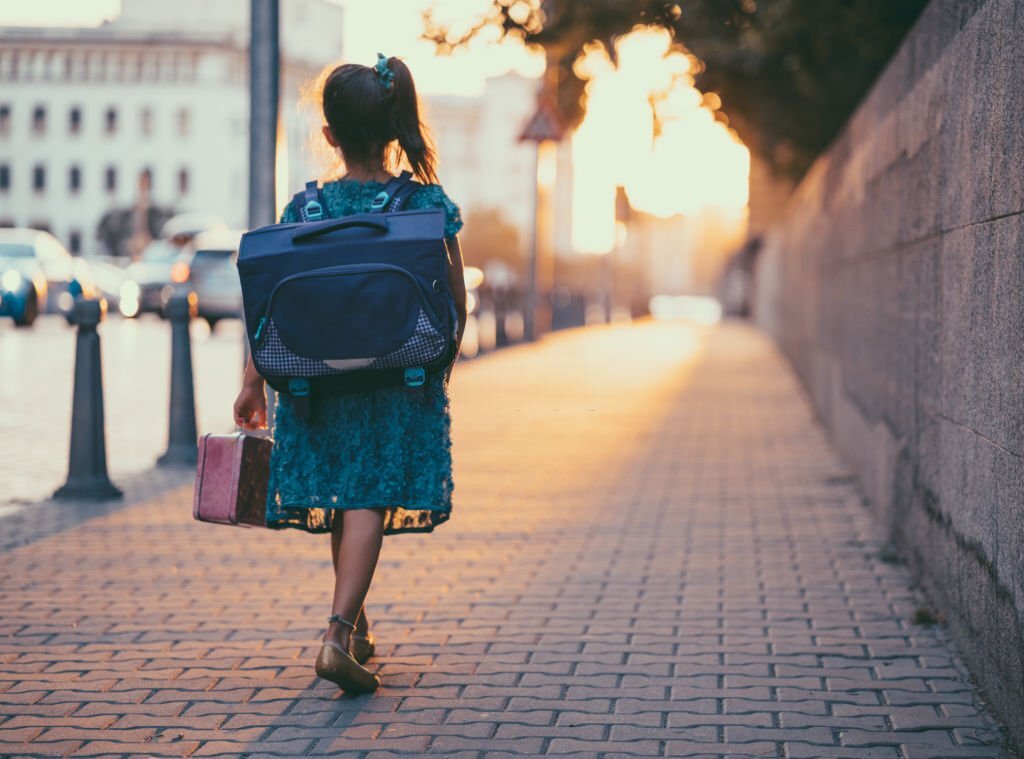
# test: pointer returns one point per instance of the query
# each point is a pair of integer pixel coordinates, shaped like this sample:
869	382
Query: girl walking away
367	464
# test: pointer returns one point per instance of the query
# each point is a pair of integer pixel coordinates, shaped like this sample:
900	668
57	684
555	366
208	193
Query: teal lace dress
390	448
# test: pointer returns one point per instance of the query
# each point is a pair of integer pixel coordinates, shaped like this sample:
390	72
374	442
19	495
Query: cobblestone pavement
37	366
654	553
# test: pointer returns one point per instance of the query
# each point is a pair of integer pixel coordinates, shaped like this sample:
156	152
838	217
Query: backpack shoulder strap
308	203
395	193
402	195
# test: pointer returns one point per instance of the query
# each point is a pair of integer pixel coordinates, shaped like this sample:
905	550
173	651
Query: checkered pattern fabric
425	344
274	358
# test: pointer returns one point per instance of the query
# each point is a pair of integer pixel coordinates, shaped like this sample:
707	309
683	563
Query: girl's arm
457	284
250	409
251	378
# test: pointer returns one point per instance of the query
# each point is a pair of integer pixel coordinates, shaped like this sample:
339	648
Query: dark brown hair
374	120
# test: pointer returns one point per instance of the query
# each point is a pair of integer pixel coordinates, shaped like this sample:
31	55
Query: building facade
162	89
485	166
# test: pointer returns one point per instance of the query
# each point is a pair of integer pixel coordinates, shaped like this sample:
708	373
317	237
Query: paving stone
863	722
26	733
57	748
744	733
682	719
417	745
648	719
70	733
119	748
460	716
632	748
925	751
447	744
704	751
647	558
937	739
814	751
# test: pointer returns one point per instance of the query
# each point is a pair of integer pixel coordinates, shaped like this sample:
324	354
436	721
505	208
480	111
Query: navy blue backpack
349	304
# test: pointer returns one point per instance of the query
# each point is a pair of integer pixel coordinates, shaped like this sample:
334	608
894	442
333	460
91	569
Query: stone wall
895	283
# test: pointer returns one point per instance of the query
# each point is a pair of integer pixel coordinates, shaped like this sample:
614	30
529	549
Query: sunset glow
683	162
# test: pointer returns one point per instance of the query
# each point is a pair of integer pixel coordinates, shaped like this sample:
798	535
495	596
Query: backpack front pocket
341	318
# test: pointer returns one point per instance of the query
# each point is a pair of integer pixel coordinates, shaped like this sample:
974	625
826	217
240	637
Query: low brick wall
895	284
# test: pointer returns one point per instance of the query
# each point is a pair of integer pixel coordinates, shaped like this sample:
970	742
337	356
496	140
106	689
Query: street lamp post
264	85
611	260
545	128
264	94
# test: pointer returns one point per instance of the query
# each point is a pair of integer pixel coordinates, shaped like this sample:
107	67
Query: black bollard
87	460
500	311
182	448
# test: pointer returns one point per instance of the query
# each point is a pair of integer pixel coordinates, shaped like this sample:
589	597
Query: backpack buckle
415	376
298	389
379	201
313	211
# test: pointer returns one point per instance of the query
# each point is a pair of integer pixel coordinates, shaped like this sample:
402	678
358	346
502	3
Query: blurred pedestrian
369	464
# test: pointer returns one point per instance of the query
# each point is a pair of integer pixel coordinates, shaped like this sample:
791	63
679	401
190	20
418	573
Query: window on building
39	119
118	67
5	177
110	120
150	67
5	118
75	179
183	122
146	121
110	179
33	64
183	182
75	120
39	177
75	241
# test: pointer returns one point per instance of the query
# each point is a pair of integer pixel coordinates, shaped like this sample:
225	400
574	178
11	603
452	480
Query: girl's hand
251	407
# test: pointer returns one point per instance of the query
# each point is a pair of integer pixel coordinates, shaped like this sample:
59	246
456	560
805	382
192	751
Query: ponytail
374	115
406	125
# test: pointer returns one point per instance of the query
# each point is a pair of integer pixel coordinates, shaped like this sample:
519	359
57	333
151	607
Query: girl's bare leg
337	530
355	547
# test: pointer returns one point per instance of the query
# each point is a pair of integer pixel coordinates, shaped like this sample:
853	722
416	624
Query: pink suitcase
231	479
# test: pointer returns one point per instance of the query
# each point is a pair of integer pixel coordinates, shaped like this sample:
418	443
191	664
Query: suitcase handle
377	223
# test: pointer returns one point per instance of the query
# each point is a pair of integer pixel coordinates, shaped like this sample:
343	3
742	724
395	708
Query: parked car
146	278
22	284
38	275
182	227
108	272
148	281
208	265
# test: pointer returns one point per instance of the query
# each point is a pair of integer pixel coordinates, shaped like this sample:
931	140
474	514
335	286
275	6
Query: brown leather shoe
340	668
362	647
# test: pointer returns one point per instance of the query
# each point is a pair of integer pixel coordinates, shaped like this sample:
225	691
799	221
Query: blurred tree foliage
789	72
116	226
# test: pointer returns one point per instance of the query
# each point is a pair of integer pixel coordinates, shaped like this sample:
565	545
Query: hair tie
384	73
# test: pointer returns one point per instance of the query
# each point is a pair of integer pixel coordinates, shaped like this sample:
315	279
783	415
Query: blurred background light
693	308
